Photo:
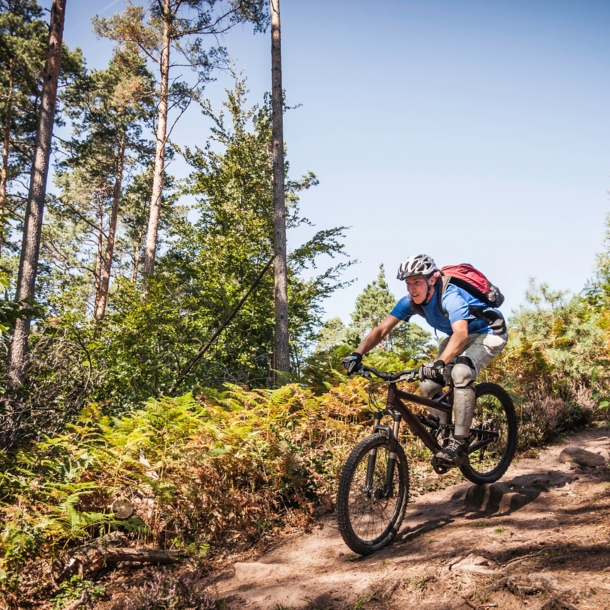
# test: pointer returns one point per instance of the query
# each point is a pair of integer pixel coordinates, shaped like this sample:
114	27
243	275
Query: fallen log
91	558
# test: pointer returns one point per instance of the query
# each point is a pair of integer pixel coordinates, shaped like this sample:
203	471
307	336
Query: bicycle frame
398	410
394	403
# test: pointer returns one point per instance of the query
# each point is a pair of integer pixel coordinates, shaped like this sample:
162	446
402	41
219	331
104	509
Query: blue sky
474	131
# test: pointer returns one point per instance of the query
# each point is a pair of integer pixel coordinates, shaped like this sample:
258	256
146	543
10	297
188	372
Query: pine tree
108	109
332	334
23	42
28	262
176	27
372	306
23	38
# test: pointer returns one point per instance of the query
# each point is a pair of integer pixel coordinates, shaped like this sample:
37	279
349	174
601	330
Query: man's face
418	288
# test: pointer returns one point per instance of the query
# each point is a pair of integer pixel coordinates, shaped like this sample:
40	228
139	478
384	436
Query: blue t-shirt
457	303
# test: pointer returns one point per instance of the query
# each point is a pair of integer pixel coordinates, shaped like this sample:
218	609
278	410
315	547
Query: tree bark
100	250
136	260
6	143
157	189
282	345
100	309
30	247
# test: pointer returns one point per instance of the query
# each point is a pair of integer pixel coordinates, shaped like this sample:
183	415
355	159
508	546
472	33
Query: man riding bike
477	334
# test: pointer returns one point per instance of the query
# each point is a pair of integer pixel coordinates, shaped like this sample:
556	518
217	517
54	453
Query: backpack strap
493	318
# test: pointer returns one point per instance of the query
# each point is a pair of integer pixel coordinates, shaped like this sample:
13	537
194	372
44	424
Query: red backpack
473	281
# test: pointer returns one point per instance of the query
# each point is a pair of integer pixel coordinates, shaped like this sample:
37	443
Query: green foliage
23	41
219	470
372	306
555	360
73	589
11	310
332	334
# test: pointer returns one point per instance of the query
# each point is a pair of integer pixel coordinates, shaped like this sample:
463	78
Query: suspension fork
392	433
370	466
387	489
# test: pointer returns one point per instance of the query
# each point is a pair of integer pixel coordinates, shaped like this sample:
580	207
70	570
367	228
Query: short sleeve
456	306
402	310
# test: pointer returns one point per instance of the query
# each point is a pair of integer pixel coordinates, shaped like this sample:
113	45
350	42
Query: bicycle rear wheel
369	517
494	411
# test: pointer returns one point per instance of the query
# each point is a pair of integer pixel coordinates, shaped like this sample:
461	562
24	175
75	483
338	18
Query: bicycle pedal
440	466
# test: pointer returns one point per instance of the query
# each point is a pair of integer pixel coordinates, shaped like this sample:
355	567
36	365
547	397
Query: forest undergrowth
210	474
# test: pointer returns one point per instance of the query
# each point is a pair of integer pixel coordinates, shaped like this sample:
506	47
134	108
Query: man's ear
434	277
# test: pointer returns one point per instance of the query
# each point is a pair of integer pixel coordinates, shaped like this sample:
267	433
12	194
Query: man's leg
430	389
463	375
479	352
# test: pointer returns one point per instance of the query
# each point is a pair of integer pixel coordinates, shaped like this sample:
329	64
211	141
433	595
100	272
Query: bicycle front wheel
370	509
494	412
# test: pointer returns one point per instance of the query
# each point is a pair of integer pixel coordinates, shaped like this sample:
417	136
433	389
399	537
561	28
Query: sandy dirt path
537	539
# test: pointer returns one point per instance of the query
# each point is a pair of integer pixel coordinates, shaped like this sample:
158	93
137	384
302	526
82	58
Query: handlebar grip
388	376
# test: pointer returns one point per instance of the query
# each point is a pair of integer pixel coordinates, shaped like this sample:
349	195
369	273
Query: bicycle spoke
489	415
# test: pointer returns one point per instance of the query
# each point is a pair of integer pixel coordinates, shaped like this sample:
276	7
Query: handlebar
408	375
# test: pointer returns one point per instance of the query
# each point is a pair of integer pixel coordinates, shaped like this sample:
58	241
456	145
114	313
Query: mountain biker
477	334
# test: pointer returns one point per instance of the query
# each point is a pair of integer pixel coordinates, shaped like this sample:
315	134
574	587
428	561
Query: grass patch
419	583
361	601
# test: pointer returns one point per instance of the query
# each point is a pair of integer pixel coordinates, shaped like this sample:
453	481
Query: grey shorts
481	349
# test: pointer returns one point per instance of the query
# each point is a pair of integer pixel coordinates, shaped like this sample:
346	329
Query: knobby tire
470	470
348	520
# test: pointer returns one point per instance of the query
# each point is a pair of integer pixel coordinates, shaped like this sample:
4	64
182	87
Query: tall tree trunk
30	246
136	259
99	255
157	189
6	143
100	309
282	346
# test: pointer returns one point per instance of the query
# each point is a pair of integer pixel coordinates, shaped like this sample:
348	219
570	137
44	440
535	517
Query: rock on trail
539	538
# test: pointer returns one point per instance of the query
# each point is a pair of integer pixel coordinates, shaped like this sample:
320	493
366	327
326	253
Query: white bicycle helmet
420	264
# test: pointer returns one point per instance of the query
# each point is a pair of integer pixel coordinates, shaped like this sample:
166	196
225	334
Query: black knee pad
465	360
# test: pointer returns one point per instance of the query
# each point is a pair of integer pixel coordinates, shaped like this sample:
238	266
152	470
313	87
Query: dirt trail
539	539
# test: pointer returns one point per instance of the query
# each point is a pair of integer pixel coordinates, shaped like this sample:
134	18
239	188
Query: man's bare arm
457	341
378	334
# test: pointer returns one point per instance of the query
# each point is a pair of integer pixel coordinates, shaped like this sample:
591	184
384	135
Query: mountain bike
374	485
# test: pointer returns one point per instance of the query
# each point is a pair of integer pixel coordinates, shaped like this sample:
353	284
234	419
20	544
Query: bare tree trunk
30	246
282	346
6	143
100	250
100	308
136	260
157	189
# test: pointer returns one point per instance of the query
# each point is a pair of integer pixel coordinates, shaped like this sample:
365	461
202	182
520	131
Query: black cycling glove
352	363
434	371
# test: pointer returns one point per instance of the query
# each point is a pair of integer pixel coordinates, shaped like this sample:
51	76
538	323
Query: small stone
581	457
475	564
494	498
122	509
